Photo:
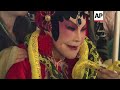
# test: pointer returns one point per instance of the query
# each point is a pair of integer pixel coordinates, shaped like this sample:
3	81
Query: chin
71	56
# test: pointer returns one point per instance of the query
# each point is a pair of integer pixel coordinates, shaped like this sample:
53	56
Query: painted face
71	36
18	13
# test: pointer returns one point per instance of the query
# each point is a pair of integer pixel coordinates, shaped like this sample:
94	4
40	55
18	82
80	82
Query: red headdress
43	21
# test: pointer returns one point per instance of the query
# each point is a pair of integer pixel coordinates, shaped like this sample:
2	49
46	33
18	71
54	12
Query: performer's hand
21	55
107	74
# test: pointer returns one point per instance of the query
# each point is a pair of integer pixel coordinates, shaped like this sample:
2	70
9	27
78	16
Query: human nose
77	36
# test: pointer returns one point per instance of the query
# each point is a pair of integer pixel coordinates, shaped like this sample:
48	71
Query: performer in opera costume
60	49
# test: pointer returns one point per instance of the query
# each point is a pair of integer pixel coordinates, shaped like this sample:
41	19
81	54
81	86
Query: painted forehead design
79	15
49	20
78	19
43	18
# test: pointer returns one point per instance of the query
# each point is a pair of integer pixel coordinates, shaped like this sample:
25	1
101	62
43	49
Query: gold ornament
47	18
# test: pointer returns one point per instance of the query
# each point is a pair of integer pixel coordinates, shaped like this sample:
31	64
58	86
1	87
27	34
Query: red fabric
45	45
70	63
22	70
43	71
59	69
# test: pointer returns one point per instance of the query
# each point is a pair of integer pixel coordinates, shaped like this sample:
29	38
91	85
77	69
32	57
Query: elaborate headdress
44	19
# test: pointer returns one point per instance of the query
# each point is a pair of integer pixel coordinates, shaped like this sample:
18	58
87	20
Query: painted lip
72	47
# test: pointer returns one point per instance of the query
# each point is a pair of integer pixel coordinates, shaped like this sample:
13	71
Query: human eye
70	28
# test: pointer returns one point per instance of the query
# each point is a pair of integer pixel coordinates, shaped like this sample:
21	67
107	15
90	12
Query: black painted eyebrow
70	27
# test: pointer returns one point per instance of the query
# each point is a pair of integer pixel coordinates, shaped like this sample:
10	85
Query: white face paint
71	36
